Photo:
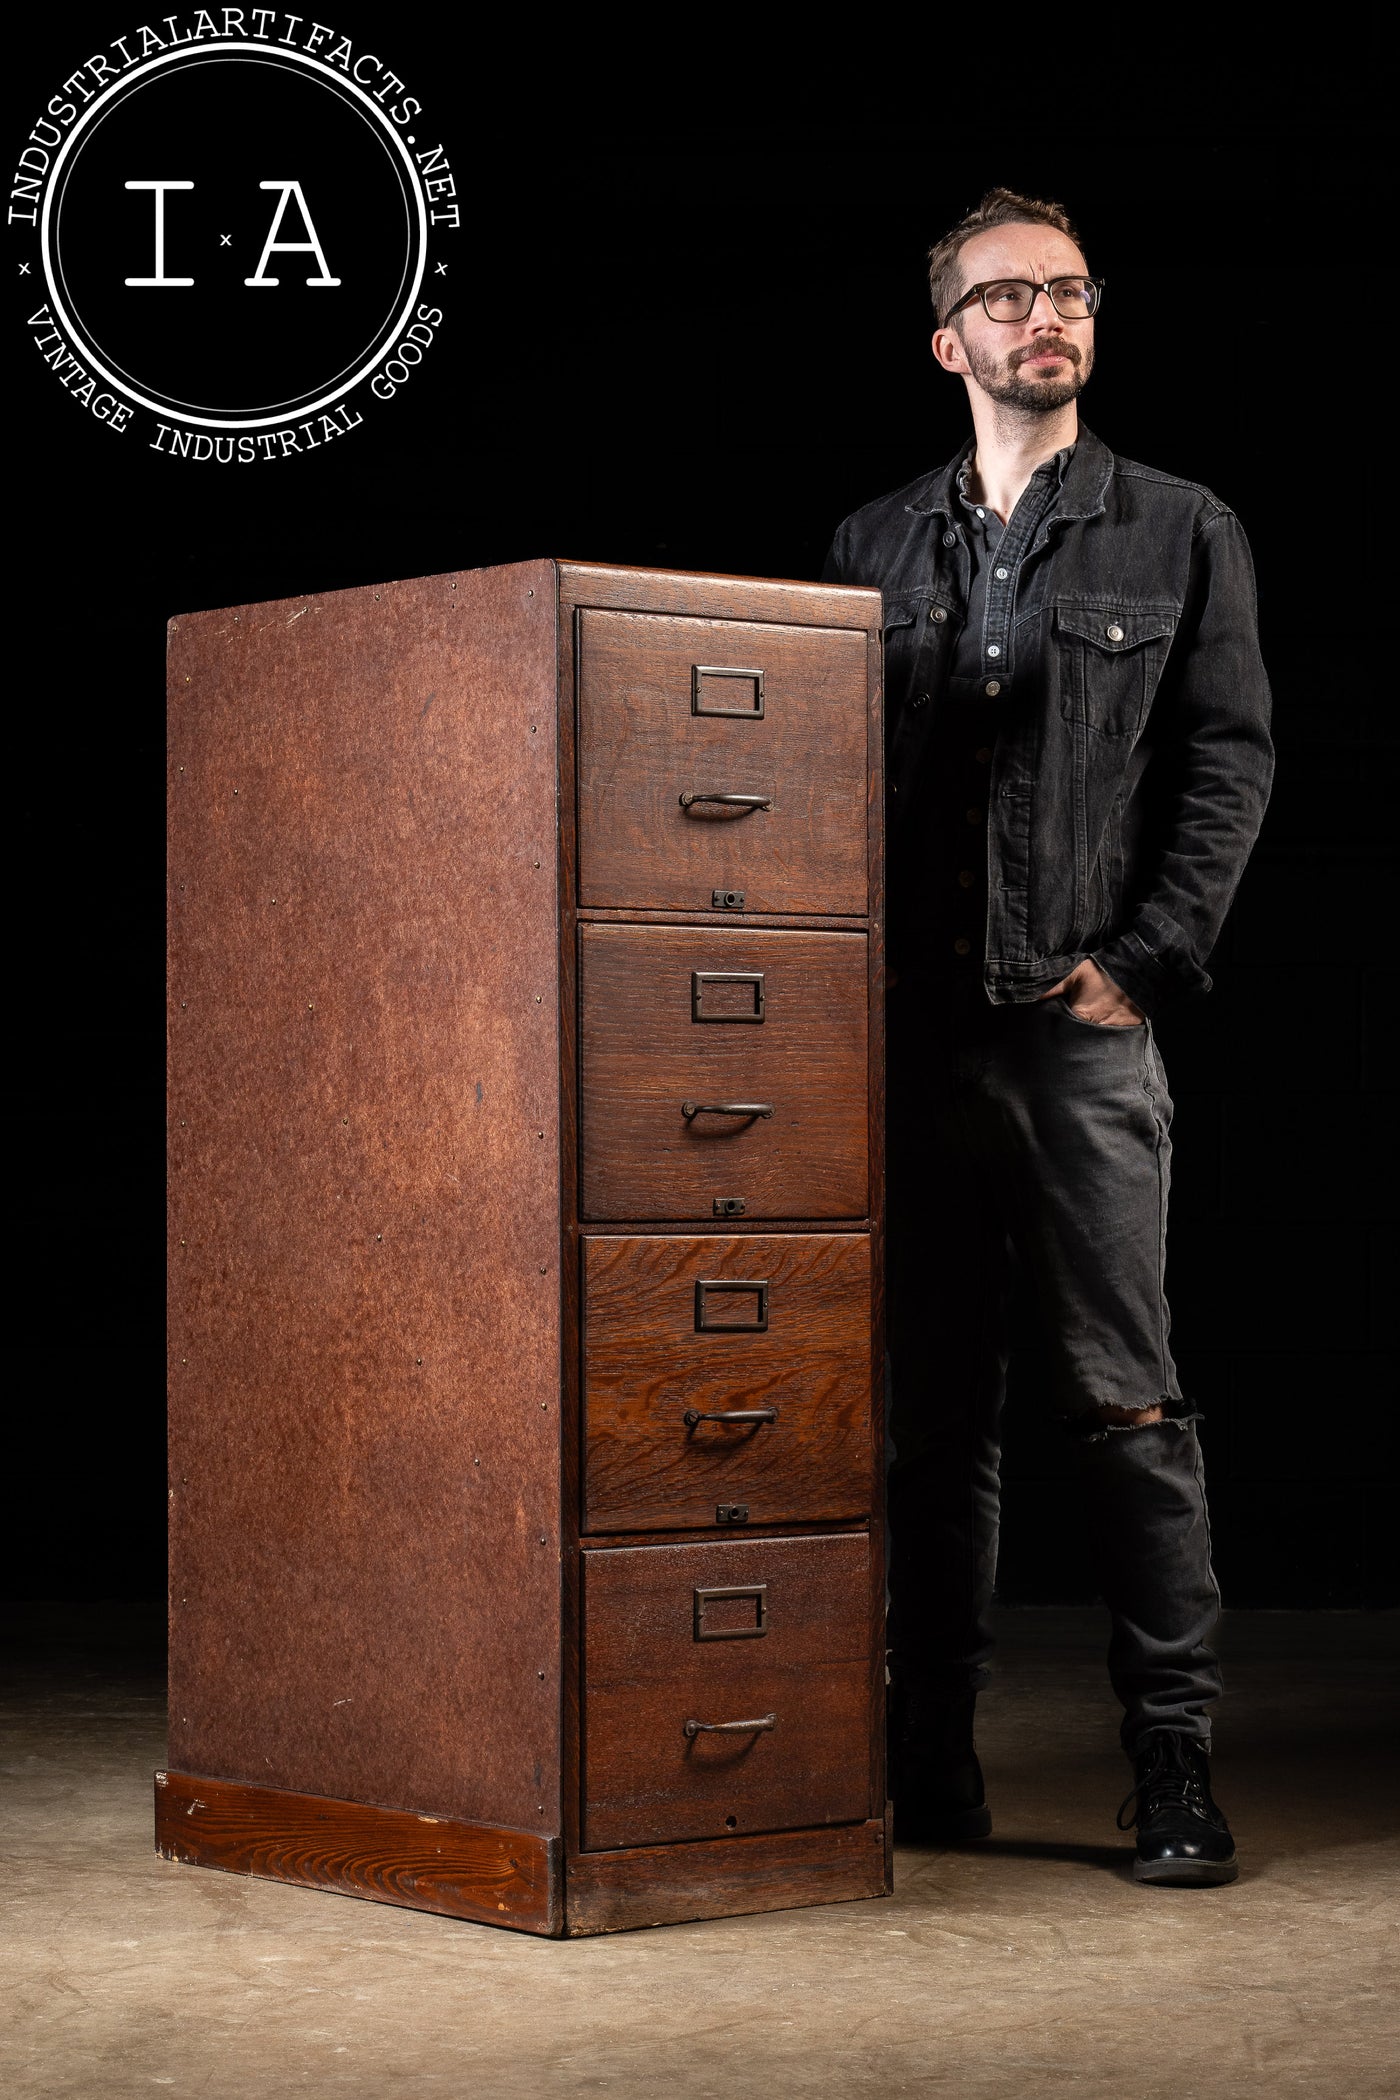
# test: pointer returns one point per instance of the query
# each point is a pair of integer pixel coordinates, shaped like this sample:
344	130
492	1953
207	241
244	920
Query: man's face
1037	364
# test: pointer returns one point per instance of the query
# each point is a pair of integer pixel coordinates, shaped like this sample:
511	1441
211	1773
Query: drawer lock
726	900
731	1513
732	1624
729	1206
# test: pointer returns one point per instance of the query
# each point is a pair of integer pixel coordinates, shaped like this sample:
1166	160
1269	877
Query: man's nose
1043	314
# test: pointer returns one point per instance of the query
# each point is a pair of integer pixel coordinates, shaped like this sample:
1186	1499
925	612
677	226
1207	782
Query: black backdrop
686	325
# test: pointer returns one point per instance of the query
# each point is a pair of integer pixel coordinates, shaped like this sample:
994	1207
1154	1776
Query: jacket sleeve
1208	779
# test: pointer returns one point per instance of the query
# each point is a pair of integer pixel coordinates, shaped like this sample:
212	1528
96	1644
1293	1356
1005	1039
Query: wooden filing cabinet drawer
680	1026
677	1331
679	1642
670	706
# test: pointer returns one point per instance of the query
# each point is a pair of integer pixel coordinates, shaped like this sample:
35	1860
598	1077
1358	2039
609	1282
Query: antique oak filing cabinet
526	1437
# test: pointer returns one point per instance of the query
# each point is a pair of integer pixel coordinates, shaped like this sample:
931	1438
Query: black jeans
1024	1127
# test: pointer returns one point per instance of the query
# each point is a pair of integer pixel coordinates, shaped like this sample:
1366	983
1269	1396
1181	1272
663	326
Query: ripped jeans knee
1110	1418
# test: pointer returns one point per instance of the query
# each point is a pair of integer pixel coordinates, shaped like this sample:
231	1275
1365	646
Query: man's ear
948	350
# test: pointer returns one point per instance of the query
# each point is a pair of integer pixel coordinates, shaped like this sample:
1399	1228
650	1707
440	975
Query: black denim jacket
1132	768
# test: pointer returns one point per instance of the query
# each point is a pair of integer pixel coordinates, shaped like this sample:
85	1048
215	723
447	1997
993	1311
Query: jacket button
966	878
974	816
950	539
992	688
1114	633
961	946
937	615
919	700
984	756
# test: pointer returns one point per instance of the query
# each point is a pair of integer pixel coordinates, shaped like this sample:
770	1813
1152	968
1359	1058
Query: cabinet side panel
364	1342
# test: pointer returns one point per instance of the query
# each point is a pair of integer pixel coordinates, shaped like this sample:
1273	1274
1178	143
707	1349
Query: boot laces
1167	1779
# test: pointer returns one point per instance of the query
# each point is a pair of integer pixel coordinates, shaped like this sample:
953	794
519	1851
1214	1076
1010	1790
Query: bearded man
1078	766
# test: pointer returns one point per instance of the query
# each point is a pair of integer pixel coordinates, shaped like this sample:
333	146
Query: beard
1003	380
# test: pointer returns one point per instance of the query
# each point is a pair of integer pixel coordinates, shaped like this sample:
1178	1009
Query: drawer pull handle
694	1728
691	1109
732	801
693	1415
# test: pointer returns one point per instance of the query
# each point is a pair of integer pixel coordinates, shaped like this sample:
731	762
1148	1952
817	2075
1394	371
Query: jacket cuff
1151	966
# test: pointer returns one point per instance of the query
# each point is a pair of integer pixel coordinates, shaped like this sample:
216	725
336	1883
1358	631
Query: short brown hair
998	208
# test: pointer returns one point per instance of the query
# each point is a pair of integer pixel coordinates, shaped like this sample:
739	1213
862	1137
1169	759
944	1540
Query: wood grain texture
668	1884
646	1365
364	1203
642	1056
640	747
876	705
646	1674
571	1366
421	1862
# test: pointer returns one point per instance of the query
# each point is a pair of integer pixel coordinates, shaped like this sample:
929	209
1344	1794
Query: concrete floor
1029	1966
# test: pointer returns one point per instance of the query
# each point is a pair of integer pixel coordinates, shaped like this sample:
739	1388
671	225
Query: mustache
1070	351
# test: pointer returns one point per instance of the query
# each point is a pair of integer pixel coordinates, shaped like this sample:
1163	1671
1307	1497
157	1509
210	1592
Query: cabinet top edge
544	570
575	580
577	576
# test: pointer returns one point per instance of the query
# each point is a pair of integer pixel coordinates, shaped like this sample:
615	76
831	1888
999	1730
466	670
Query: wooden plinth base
461	1870
507	1877
725	1877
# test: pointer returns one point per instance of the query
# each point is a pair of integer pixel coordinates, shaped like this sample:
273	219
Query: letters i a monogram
271	246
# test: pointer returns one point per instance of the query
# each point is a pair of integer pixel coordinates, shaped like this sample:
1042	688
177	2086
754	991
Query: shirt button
1002	575
937	615
966	878
994	648
992	688
974	816
961	946
1114	633
950	539
984	756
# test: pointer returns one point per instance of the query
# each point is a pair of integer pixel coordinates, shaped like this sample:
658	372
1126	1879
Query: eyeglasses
1011	298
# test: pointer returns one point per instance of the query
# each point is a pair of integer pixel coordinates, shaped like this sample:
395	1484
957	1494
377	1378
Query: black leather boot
1182	1838
935	1779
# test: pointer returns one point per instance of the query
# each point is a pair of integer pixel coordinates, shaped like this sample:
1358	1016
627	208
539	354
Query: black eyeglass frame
980	291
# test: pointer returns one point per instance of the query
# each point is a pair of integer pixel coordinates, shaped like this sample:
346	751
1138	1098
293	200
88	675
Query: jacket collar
1081	494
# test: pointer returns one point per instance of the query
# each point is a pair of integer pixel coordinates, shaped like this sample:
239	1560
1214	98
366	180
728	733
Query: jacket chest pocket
1110	663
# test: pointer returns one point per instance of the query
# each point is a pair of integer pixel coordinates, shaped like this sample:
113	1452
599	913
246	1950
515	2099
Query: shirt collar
1048	478
1084	481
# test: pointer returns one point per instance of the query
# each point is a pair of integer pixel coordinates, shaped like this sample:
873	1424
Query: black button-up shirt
955	776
